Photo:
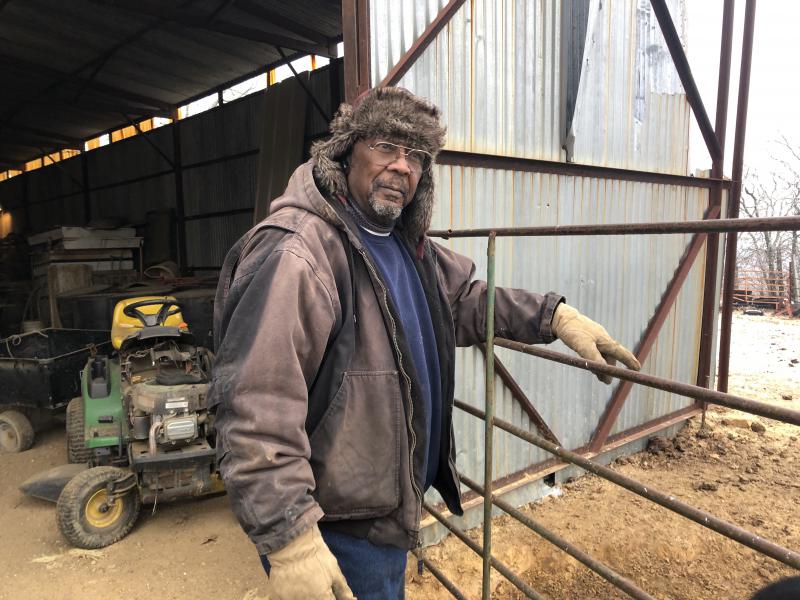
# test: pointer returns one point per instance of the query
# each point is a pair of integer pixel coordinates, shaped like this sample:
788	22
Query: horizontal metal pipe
478	160
598	567
449	585
667	227
729	530
682	389
475	547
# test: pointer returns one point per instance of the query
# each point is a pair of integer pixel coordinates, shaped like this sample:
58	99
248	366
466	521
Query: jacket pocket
356	448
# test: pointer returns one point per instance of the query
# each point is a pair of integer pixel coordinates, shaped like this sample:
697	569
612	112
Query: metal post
489	424
705	359
177	165
735	195
355	34
87	199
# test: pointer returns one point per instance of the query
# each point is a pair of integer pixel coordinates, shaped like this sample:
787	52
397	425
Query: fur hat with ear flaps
390	113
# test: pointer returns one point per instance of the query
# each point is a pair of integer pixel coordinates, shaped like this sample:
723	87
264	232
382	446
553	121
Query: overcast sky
774	81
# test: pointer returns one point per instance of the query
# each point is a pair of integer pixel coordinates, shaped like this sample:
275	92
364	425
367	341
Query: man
336	322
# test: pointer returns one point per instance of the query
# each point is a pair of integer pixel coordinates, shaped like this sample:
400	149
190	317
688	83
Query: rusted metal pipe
488	455
606	572
706	519
710	299
449	585
673	41
475	547
763	409
666	227
478	160
735	196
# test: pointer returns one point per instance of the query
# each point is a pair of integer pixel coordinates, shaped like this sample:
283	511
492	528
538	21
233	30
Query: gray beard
386	213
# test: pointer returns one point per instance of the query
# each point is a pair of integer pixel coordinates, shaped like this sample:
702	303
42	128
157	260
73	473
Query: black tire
83	516
77	452
16	432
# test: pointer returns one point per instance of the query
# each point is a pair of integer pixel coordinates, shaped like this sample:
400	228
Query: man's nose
400	164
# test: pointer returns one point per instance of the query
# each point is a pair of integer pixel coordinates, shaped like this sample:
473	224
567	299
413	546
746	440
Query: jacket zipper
410	419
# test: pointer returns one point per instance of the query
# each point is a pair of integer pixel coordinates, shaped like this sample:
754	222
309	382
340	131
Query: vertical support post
705	357
26	204
736	193
355	33
87	198
180	212
489	422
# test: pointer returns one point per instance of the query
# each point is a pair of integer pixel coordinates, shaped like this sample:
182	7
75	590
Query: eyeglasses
385	153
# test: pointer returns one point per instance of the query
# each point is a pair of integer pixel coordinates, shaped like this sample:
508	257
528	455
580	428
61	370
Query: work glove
306	569
590	340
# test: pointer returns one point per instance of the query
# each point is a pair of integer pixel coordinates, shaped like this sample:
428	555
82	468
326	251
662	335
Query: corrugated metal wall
219	158
500	72
630	109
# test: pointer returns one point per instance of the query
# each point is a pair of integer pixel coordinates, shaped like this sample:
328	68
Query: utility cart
39	374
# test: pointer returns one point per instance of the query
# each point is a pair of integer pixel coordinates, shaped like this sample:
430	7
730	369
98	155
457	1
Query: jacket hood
397	115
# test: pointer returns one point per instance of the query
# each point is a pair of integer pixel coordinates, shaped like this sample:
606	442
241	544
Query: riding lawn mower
140	432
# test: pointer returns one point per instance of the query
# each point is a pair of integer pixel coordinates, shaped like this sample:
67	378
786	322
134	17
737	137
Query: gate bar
488	455
475	547
682	389
449	585
665	227
706	519
619	581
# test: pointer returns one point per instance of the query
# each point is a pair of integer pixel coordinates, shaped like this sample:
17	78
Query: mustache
397	184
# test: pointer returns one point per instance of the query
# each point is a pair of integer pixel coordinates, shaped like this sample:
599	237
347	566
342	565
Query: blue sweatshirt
401	278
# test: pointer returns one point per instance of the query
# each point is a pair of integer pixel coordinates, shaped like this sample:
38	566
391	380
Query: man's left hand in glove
590	340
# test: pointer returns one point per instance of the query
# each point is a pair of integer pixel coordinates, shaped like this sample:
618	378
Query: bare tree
772	195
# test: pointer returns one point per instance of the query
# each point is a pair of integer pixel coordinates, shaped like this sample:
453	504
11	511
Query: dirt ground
740	471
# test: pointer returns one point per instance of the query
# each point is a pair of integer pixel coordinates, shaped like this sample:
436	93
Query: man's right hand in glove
590	340
306	569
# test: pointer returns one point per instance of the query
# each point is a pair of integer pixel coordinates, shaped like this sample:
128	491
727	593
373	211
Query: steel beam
180	209
673	41
735	194
63	77
43	134
530	165
187	19
710	300
396	73
649	336
762	409
521	398
659	228
355	31
282	21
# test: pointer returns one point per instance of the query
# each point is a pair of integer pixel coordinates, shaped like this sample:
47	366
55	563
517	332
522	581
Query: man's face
381	186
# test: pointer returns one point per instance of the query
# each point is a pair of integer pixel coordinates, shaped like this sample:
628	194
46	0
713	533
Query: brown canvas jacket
318	412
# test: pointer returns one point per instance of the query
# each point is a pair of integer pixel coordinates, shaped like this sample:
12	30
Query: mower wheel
16	431
77	452
84	514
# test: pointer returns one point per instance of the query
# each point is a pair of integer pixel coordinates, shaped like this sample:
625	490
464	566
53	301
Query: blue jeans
372	572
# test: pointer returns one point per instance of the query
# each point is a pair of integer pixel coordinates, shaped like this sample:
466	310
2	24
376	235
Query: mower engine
165	391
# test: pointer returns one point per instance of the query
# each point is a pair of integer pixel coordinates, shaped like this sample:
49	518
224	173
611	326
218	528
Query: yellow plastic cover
123	326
